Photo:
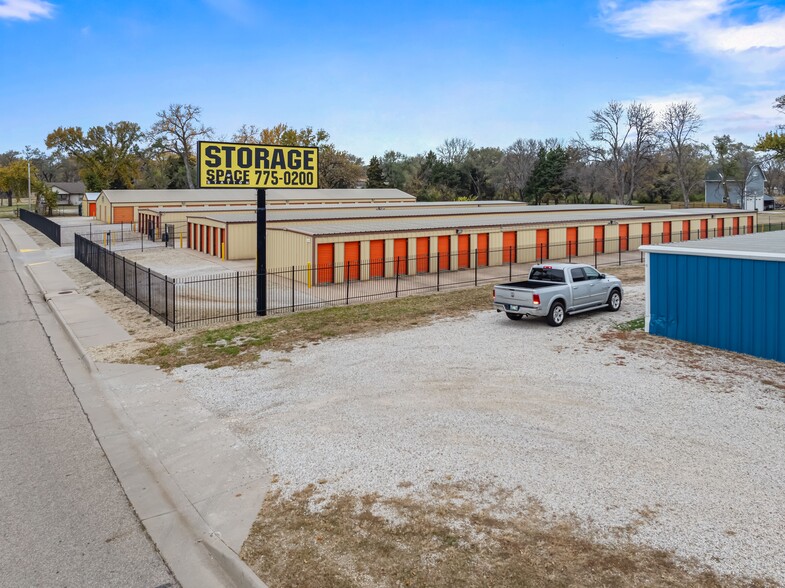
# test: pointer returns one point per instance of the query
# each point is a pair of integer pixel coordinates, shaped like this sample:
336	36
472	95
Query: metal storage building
450	241
723	293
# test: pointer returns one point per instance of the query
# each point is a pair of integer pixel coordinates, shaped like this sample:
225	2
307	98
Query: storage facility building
122	206
722	293
435	242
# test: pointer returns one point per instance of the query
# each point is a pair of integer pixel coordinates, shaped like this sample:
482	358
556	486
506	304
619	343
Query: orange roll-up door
624	237
324	263
216	242
482	249
423	254
646	234
376	268
572	240
750	225
509	247
189	235
202	238
720	227
704	234
599	239
666	232
444	252
542	244
123	214
91	206
735	225
401	255
463	251
685	230
351	259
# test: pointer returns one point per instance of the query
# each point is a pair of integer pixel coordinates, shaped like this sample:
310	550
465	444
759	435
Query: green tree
375	174
774	141
733	160
339	169
14	180
548	180
108	156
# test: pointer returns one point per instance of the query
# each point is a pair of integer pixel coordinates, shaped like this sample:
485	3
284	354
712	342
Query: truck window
577	274
547	274
591	273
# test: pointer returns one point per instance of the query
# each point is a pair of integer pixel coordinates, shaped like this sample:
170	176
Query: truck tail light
535	298
494	293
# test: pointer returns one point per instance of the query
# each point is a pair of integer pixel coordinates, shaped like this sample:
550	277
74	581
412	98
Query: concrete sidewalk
196	487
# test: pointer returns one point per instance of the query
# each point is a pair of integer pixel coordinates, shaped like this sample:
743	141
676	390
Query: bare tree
642	122
517	164
680	122
609	134
454	150
177	130
624	139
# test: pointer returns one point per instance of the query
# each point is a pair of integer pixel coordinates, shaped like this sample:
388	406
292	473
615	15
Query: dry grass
241	343
352	541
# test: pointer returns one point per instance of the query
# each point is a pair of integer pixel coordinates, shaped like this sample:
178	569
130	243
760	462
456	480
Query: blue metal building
725	293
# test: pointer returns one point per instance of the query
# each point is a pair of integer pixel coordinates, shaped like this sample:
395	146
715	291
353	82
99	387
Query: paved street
64	519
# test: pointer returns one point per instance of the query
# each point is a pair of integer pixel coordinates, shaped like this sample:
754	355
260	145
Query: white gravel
555	413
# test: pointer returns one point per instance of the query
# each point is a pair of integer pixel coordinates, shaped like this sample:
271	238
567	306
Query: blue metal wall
733	304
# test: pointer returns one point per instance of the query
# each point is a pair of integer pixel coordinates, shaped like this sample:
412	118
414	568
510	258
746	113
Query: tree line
630	154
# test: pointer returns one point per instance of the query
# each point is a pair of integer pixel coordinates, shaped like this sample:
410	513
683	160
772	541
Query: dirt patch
447	541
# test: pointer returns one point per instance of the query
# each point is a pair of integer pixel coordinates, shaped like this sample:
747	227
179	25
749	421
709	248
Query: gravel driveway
678	445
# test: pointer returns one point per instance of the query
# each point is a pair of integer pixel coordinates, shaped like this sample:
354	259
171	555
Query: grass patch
372	541
241	343
634	325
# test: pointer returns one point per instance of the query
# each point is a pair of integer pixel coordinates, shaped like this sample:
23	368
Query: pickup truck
557	290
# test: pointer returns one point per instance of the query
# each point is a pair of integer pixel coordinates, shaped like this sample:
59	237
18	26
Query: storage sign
240	165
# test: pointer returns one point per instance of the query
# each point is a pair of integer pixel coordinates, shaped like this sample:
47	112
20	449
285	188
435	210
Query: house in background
68	193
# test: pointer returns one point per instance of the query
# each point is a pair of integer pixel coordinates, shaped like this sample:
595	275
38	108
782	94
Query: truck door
581	288
599	288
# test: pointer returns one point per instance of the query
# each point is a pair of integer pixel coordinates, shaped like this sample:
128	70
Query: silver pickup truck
556	290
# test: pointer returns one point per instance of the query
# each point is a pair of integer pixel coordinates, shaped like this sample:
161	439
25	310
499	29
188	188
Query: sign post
241	165
261	252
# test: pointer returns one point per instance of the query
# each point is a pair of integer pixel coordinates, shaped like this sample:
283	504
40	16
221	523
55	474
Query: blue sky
401	75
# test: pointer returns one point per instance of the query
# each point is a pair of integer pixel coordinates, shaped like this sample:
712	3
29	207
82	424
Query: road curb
226	560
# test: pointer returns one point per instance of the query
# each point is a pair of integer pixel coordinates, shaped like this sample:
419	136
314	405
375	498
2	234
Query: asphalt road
64	518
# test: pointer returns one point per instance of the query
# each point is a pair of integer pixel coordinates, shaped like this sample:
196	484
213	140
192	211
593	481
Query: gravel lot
677	445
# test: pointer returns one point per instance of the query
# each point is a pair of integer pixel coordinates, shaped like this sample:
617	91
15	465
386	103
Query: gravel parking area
677	445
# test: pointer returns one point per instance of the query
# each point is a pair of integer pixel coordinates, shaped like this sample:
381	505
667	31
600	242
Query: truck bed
531	284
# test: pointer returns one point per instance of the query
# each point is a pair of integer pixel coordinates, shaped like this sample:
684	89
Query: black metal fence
231	296
49	228
148	289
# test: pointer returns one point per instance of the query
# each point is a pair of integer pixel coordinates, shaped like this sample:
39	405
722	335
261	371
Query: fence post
346	278
238	296
174	304
149	293
438	270
476	262
397	261
595	253
166	300
569	251
122	238
292	288
510	263
136	283
619	250
123	276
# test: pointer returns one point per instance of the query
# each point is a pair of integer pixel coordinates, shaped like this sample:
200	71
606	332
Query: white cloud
25	9
714	28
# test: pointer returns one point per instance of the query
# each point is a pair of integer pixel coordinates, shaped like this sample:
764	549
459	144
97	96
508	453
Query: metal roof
765	246
92	196
384	225
235	194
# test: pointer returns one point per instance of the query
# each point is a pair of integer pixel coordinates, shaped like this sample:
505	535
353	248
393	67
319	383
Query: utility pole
29	192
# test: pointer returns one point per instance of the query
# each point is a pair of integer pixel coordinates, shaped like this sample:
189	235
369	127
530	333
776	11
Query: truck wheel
614	300
514	317
556	315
